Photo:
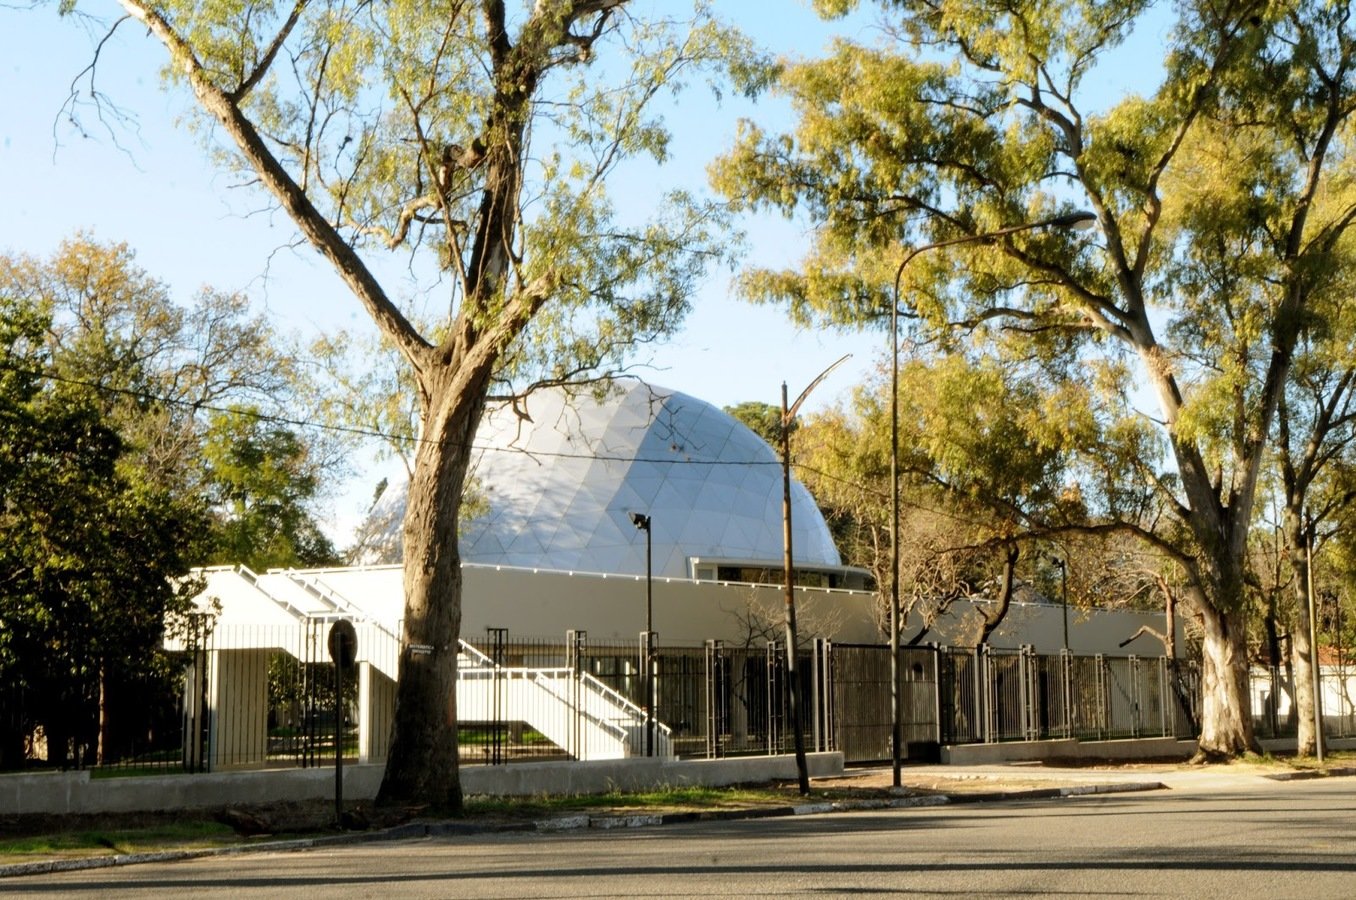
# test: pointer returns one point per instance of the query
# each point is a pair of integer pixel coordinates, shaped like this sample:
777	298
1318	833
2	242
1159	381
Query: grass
1331	759
669	799
114	841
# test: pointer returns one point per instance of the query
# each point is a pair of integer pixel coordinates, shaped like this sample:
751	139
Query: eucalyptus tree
979	115
474	139
1315	460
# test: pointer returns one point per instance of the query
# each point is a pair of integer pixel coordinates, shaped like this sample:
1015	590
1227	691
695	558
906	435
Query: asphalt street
1232	838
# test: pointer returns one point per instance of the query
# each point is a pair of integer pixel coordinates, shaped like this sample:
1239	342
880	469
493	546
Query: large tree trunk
1226	720
422	765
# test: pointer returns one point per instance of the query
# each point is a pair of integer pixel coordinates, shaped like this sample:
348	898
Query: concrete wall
1032	751
76	792
376	713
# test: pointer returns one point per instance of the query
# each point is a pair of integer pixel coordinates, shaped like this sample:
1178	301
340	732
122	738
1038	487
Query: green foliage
763	419
261	481
89	553
116	483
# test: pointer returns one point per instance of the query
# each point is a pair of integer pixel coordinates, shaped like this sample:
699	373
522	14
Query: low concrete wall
76	792
1030	751
1287	745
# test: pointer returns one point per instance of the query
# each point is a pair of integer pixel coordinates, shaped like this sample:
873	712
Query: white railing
576	711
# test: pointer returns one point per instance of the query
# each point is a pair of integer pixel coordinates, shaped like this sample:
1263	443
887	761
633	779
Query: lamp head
1082	220
640	520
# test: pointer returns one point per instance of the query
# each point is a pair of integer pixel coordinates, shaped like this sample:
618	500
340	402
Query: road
1259	839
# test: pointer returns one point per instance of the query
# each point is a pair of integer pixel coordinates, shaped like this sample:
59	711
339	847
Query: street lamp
792	679
642	522
1076	220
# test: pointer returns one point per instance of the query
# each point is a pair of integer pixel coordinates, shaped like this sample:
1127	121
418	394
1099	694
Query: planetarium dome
559	488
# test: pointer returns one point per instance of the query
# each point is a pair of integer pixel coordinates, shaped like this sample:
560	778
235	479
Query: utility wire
354	430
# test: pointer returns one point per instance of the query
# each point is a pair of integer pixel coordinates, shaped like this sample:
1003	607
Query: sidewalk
869	789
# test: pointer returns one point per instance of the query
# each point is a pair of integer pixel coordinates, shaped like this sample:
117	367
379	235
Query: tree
91	555
763	419
113	386
1213	243
153	365
1314	445
478	138
260	481
994	462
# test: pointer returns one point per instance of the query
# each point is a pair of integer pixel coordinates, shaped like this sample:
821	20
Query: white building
557	549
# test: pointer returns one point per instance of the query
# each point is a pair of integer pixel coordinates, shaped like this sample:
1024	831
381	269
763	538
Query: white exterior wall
238	706
376	713
534	603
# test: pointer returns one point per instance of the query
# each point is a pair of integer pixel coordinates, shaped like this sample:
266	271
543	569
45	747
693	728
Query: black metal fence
265	696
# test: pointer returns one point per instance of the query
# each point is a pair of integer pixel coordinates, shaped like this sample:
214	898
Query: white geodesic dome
560	488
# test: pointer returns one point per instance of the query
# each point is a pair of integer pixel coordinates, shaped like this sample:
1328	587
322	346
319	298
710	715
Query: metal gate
857	715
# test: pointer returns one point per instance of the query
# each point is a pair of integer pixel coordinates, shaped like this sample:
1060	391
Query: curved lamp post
1076	220
792	677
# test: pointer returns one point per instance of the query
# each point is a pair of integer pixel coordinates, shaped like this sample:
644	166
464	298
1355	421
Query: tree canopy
92	555
472	142
1221	199
120	473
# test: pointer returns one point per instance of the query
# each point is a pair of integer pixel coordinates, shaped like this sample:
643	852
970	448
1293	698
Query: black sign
343	644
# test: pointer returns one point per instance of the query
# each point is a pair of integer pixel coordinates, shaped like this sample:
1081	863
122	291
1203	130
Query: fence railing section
255	696
1012	695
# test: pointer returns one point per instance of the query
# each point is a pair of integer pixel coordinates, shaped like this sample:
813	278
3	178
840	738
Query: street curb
1339	772
415	830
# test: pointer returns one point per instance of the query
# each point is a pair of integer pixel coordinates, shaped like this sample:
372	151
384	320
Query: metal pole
1064	590
646	658
896	695
338	742
1316	678
792	681
649	641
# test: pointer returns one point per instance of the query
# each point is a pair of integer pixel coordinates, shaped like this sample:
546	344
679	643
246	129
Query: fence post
992	732
1102	696
1136	697
1164	695
773	745
816	695
1066	691
937	691
715	697
1025	695
576	641
497	638
830	711
981	690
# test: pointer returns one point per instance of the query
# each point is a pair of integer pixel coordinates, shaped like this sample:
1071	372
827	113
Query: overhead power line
356	431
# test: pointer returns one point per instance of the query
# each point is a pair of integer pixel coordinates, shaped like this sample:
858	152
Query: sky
147	181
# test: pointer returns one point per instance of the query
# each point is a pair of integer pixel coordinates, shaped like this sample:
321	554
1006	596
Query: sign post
343	644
